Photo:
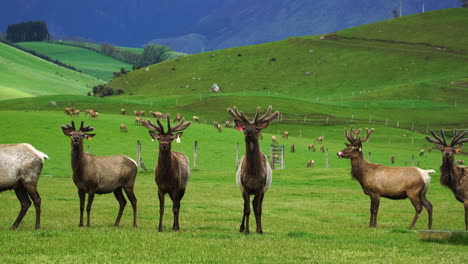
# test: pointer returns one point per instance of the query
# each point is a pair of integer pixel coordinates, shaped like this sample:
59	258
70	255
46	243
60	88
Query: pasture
309	215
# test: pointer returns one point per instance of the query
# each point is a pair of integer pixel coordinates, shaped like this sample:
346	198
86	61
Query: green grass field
89	62
310	215
23	75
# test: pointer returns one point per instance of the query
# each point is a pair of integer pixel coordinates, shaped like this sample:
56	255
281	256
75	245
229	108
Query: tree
464	3
153	53
27	31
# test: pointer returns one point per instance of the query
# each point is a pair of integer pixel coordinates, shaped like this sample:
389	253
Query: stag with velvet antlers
172	169
98	175
382	181
453	176
254	173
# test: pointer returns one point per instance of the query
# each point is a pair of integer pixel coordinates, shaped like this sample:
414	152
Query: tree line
27	31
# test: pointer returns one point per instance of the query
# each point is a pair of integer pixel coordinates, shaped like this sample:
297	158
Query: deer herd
21	165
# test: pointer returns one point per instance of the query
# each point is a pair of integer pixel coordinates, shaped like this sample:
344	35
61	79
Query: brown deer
274	139
286	134
293	148
196	119
453	176
392	159
254	173
421	153
138	120
172	169
123	128
220	128
311	147
319	139
322	148
99	175
178	118
227	124
20	168
123	111
310	163
382	181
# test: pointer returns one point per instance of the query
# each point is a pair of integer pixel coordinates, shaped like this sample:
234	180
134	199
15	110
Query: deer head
165	138
354	148
453	148
75	135
252	129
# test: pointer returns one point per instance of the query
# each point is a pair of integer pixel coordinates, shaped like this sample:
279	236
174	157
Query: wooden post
352	118
195	150
398	124
370	157
327	165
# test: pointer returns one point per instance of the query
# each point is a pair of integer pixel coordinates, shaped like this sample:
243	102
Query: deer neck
77	159
164	163
359	167
448	171
253	155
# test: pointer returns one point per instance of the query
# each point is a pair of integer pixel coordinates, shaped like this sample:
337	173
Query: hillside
89	62
323	69
23	75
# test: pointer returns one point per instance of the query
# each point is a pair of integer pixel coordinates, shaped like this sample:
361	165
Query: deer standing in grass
172	169
98	175
390	182
20	168
254	173
453	176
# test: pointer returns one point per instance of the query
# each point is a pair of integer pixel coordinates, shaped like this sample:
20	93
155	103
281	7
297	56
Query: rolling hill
23	75
89	62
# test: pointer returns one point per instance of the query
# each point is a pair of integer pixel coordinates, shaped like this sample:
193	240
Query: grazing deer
75	112
215	124
123	111
69	110
382	181
123	128
227	124
453	176
20	168
429	149
138	120
196	119
172	170
319	139
178	118
254	173
392	159
274	139
94	115
220	128
286	134
310	163
98	175
460	162
311	147
322	148
421	153
293	148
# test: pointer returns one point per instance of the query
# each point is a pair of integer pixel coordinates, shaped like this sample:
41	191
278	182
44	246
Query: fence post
195	151
327	165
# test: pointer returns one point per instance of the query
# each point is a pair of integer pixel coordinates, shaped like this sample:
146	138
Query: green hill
325	68
89	62
23	75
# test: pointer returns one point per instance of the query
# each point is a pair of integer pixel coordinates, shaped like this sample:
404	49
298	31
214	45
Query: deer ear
153	135
177	135
89	136
66	131
238	124
264	125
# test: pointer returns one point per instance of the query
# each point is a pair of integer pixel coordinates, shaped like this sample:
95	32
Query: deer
319	139
94	115
293	149
311	147
392	159
99	175
138	120
227	124
123	128
421	153
123	111
196	119
220	128
310	163
178	118
286	134
254	174
274	139
172	168
452	176
377	180
20	167
322	148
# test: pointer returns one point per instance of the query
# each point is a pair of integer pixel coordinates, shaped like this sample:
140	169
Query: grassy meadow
23	75
315	215
89	62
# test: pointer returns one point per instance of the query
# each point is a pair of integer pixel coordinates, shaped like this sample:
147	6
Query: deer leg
257	205
245	217
176	208
133	201
374	209
32	192
88	208
122	202
428	207
24	201
418	207
81	194
161	210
